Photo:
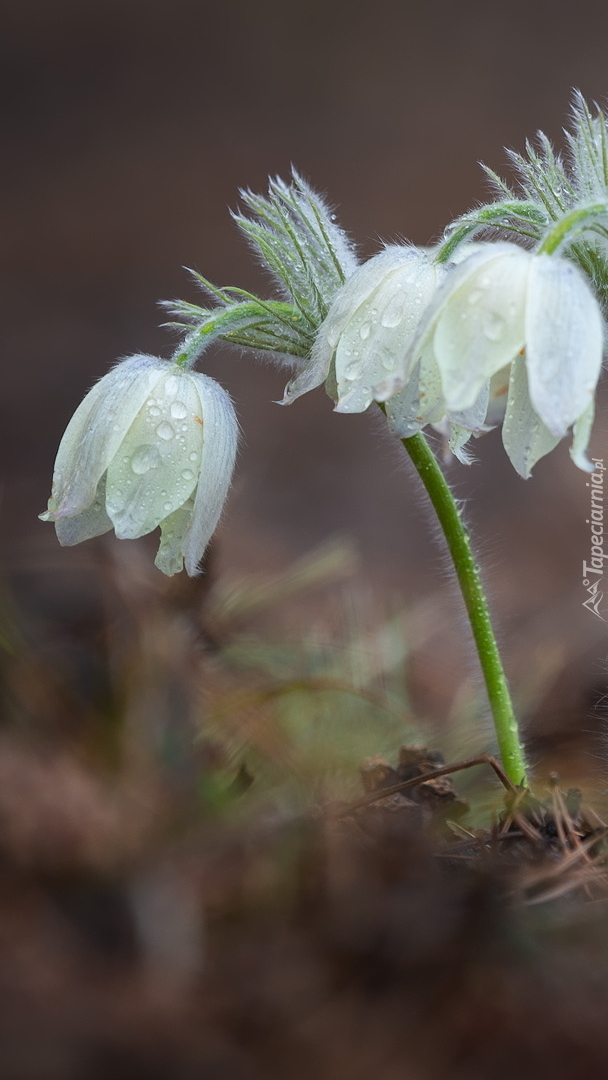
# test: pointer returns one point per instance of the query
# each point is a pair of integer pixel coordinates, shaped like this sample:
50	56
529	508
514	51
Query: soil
377	938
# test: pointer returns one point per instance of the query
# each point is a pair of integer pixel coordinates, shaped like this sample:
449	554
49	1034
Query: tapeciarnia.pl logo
593	571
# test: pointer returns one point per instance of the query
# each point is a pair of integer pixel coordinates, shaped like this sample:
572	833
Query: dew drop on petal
154	410
178	410
392	315
167	506
170	385
187	474
494	326
165	431
475	296
193	456
364	331
146	457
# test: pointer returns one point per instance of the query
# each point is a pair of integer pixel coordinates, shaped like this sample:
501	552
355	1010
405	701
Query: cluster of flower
464	336
499	334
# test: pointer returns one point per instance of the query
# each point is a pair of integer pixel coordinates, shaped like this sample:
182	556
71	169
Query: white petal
497	400
96	430
472	419
90	522
480	323
156	467
563	341
457	442
371	351
220	436
173	530
580	438
356	291
525	437
419	403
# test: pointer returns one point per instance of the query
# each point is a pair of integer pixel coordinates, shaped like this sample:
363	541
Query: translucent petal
580	438
157	464
563	341
90	522
497	399
173	530
525	437
480	323
419	403
370	354
472	419
220	435
96	430
457	442
358	289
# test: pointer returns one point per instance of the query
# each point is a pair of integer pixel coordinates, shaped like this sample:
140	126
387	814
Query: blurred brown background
129	126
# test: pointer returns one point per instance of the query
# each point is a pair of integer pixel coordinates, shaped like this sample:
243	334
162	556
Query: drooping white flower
534	313
151	444
360	348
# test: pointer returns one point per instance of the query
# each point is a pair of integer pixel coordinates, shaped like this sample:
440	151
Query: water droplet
392	314
494	326
365	330
146	457
170	385
165	431
178	410
154	410
193	456
166	506
475	296
187	474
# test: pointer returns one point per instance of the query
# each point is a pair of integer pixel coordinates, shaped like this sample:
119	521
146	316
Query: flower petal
358	290
157	464
580	438
563	341
90	522
220	435
371	351
173	530
480	321
526	439
472	419
420	402
497	399
95	432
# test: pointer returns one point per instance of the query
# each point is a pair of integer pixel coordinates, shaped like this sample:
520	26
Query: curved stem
576	221
459	546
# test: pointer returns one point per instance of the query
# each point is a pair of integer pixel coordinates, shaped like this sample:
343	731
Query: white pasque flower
151	444
533	315
360	347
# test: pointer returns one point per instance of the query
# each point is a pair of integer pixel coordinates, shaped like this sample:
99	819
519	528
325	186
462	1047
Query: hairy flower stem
454	530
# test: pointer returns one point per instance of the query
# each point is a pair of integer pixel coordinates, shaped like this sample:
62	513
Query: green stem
459	546
574	222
